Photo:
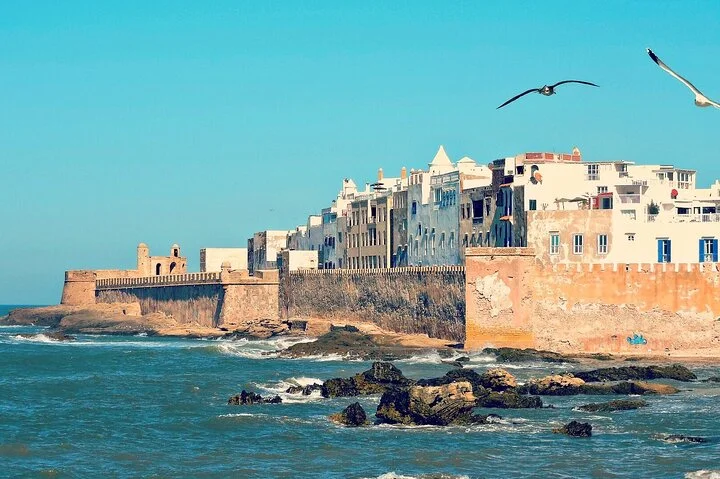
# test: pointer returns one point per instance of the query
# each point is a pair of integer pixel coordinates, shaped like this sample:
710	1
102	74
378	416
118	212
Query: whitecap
36	338
703	474
280	388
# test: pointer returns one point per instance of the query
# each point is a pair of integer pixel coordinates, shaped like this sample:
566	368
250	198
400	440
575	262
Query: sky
202	122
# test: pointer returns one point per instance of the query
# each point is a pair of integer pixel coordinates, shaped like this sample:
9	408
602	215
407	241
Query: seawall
515	300
429	300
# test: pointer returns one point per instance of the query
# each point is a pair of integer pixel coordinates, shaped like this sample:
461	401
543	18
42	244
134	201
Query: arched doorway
157	269
176	252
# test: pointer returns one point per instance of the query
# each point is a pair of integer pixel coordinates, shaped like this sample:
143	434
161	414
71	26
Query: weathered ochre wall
243	303
426	300
197	304
79	288
516	300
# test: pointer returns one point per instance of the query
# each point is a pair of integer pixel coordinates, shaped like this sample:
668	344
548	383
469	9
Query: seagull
546	90
700	99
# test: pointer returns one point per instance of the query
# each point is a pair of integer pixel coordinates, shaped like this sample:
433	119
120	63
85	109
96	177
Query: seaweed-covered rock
430	405
619	405
575	429
507	400
455	375
249	397
352	416
512	355
378	379
675	371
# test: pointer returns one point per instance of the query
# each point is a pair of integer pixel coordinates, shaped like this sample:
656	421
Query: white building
212	258
264	247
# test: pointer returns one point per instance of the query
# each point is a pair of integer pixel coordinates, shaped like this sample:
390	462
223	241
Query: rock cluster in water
620	405
249	397
575	429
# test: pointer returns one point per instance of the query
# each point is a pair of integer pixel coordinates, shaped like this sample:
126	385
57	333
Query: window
554	243
708	250
683	180
432	244
630	236
602	189
593	172
477	207
442	240
602	244
465	240
533	205
663	250
578	244
438	195
413	210
451	241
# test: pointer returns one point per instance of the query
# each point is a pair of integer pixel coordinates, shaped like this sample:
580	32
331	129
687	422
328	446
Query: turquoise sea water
109	406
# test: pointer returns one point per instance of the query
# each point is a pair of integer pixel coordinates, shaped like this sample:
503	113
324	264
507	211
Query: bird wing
518	96
667	69
573	81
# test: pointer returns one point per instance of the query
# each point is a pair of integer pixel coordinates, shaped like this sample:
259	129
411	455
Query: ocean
114	406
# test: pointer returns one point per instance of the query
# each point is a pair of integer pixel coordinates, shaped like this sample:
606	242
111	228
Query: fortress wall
426	300
516	300
197	304
79	288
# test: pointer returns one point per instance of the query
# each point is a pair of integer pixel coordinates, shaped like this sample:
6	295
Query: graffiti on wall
636	339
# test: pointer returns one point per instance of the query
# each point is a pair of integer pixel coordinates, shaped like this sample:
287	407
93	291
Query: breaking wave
394	475
703	474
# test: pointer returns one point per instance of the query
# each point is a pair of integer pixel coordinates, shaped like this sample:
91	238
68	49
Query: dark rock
430	405
304	390
575	429
712	379
247	398
352	416
463	359
348	327
512	355
568	385
53	335
675	371
378	379
507	400
679	438
619	405
456	375
355	345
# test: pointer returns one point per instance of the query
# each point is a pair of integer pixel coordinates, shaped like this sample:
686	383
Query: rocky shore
456	398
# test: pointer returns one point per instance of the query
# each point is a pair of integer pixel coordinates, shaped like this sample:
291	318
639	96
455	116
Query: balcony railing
477	220
685	218
630	198
592	176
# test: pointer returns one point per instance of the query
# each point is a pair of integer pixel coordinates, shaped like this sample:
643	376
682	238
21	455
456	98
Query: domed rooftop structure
142	245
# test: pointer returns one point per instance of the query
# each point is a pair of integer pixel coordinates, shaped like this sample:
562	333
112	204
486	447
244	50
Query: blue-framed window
664	248
708	250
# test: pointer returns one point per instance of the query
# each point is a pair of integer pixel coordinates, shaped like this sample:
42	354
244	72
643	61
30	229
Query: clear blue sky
188	122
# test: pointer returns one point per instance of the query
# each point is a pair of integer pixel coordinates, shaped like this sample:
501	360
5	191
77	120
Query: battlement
629	267
445	269
157	281
79	275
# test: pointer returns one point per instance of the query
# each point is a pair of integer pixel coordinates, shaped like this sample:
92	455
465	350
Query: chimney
380	174
403	173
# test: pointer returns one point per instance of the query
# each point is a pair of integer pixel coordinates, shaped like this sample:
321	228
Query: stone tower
175	250
143	259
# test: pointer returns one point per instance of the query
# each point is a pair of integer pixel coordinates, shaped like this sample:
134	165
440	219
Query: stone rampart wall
515	300
426	300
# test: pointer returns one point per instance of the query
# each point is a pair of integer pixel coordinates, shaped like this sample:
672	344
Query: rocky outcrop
507	400
554	385
675	371
569	385
511	355
352	416
381	377
712	379
351	344
449	404
619	405
498	380
304	390
575	429
247	398
258	329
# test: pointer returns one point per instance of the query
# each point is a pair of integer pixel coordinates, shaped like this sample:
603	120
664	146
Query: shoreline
106	319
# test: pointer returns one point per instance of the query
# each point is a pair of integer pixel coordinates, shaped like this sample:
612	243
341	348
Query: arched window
172	267
176	252
157	269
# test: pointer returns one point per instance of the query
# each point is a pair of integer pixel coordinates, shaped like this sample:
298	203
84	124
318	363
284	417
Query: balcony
629	198
477	220
592	177
686	218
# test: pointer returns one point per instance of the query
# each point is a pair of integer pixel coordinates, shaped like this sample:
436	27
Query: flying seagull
700	99
546	90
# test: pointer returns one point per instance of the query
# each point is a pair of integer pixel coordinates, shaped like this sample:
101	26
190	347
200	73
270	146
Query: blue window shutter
669	249
702	253
715	251
660	251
